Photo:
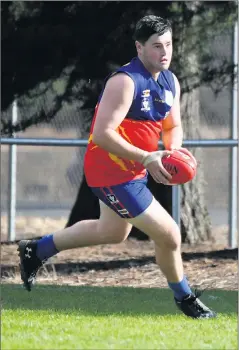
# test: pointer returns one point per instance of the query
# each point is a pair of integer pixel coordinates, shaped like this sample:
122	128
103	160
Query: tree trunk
195	220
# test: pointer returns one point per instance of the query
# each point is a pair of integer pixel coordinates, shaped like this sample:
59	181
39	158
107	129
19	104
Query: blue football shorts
128	199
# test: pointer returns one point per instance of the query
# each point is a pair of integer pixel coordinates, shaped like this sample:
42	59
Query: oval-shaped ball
181	165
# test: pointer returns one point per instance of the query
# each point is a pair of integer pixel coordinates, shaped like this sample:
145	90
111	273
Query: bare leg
110	228
160	226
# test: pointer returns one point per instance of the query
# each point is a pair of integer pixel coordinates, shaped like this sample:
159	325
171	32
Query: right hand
153	163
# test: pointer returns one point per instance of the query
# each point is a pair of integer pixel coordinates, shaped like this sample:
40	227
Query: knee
173	239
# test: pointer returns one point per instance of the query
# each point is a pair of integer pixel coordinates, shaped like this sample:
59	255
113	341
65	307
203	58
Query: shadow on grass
107	300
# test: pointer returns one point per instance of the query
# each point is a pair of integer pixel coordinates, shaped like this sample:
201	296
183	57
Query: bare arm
114	105
172	135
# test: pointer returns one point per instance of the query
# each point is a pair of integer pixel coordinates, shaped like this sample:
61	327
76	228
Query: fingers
164	173
156	179
186	151
167	153
160	174
159	178
154	157
165	180
155	166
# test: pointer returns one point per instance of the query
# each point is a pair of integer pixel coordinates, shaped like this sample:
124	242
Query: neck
155	74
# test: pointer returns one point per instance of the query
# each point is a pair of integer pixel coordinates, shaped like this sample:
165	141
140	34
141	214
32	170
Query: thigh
127	200
157	224
112	222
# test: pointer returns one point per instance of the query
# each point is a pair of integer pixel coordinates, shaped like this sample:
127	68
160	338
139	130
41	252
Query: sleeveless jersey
141	127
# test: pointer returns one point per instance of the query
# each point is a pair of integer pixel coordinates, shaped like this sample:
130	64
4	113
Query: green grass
65	317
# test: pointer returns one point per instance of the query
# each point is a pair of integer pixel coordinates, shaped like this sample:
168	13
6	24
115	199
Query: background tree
56	53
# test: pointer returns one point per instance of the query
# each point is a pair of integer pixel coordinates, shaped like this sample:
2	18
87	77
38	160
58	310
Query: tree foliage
79	43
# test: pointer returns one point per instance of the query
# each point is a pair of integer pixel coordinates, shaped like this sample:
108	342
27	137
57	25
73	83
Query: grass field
69	317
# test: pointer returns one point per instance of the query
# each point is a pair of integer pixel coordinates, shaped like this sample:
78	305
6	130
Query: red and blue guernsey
141	127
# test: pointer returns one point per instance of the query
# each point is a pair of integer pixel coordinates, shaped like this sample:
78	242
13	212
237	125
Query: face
156	53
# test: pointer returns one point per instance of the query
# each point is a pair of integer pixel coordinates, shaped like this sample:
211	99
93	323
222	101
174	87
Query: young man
138	102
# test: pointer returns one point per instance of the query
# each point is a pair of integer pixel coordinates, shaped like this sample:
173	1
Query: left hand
172	148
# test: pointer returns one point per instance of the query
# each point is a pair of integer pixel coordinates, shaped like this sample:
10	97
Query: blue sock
46	248
180	289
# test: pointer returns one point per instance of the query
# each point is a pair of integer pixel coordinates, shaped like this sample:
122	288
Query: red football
186	151
182	165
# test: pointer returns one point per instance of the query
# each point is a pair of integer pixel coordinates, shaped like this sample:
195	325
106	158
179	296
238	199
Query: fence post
233	152
12	181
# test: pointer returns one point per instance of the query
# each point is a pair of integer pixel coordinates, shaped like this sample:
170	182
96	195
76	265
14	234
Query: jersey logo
146	93
112	199
145	101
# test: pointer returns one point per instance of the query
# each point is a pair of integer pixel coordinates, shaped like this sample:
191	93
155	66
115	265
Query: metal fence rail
72	142
231	143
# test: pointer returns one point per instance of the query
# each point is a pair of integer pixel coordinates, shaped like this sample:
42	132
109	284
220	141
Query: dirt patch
130	263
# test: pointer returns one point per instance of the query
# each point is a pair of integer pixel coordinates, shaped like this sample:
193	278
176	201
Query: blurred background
55	56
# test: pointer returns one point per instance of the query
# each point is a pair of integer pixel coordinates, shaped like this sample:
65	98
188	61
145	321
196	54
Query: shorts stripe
117	206
128	200
120	204
105	194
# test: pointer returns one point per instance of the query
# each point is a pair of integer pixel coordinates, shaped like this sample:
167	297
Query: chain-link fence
48	178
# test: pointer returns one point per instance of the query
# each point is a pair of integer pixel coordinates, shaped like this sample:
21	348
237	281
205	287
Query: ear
138	46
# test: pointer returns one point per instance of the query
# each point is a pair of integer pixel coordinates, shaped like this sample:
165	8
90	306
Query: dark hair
149	25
